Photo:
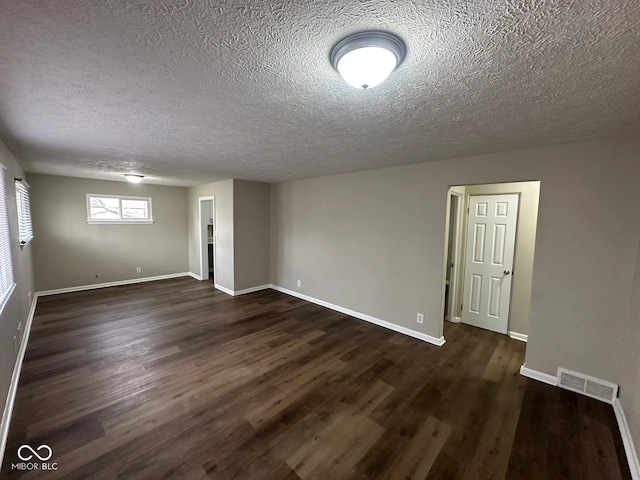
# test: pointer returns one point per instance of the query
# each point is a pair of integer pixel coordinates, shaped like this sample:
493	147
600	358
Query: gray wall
69	252
16	309
242	223
370	241
374	242
630	365
223	193
251	233
519	308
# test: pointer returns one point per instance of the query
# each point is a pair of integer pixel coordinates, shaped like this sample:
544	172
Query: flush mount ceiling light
366	59
133	178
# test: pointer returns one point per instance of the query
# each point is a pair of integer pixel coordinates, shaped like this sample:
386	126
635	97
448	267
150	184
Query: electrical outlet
15	342
19	328
30	294
138	269
299	283
420	318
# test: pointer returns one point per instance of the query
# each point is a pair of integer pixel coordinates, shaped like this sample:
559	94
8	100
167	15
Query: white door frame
203	243
455	257
445	264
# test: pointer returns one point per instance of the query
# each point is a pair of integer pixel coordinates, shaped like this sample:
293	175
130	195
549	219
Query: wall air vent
586	385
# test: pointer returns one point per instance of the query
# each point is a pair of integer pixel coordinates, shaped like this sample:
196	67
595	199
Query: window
114	209
6	268
24	212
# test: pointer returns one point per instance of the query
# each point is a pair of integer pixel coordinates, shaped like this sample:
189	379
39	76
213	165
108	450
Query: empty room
319	240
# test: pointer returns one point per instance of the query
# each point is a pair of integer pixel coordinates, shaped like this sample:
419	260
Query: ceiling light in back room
133	178
366	59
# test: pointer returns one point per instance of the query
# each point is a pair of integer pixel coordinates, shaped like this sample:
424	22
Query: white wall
374	242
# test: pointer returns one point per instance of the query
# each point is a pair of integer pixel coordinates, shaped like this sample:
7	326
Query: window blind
24	212
6	268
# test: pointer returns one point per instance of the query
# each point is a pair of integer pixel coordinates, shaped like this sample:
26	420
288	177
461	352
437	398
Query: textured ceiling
190	91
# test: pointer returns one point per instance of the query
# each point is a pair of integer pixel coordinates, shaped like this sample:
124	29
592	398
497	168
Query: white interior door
491	235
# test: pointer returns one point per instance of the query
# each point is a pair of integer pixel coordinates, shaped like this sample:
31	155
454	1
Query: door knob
506	272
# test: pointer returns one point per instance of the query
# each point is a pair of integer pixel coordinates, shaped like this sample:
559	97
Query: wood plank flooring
176	380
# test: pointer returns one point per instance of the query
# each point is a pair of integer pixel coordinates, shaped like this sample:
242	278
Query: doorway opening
456	199
207	215
488	257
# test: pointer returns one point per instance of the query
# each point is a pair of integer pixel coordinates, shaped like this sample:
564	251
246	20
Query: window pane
112	209
135	209
104	208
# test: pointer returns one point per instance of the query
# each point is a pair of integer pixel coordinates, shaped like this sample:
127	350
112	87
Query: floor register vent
589	386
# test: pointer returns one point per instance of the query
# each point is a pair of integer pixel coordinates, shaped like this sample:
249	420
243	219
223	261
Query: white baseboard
457	320
252	289
15	378
197	277
627	440
94	286
518	336
235	293
363	316
223	289
536	375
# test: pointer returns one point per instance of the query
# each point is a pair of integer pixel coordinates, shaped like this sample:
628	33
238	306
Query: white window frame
23	204
7	280
121	221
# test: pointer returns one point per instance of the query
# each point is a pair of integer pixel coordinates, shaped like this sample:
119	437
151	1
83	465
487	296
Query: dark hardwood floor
173	379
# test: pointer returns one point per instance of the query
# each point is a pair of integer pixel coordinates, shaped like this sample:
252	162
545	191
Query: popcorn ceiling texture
191	91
